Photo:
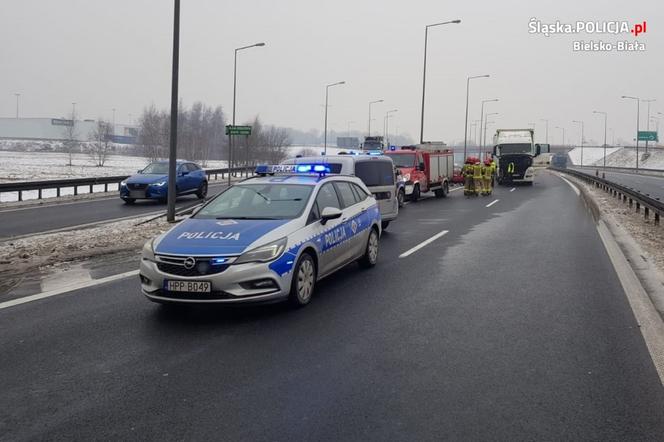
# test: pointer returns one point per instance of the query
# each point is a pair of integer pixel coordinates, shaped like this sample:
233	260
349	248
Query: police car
270	237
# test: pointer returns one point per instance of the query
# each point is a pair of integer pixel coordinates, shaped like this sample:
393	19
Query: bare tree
70	135
151	136
307	152
100	142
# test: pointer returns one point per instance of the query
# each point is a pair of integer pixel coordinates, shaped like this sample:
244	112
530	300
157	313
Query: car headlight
268	252
148	250
406	177
123	183
159	184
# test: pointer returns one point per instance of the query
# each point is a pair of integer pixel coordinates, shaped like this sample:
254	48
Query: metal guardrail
75	183
620	169
628	195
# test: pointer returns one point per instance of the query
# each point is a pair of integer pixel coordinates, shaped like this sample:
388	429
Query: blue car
152	182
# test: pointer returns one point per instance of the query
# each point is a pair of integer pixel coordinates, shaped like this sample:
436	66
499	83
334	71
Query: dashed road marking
423	244
512	189
492	203
456	188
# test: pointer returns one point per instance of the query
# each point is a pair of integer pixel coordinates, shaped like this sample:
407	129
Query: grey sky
116	54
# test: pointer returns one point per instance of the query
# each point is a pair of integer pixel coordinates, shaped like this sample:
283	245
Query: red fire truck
426	167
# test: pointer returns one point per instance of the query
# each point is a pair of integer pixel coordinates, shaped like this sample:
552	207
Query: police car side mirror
329	213
538	149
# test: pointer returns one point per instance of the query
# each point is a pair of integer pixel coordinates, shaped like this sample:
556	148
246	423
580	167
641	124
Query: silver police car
268	238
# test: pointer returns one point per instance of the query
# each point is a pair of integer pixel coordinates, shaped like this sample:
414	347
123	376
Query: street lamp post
231	137
73	110
638	116
465	131
546	137
17	96
486	117
424	71
605	118
387	125
581	123
172	153
327	89
563	129
369	127
113	126
481	122
648	123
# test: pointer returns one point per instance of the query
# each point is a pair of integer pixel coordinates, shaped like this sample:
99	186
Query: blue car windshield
258	201
156	169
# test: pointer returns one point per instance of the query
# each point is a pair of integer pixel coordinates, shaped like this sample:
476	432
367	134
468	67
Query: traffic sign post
238	130
646	135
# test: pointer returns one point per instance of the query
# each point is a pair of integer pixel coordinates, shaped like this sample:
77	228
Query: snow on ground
590	154
35	166
38	250
619	157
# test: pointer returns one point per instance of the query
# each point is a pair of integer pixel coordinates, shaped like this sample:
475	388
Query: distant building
56	129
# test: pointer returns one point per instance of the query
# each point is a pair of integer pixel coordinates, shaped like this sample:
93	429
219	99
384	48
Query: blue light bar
218	261
290	169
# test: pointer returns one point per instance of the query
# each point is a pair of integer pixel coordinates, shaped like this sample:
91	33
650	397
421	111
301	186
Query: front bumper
230	286
149	192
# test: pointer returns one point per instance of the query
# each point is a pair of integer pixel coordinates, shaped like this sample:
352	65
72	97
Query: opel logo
189	263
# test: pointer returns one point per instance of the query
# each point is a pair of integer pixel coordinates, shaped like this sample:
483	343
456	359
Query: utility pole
17	96
172	154
648	122
465	131
424	71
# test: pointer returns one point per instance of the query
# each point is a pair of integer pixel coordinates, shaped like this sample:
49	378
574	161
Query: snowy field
619	157
38	166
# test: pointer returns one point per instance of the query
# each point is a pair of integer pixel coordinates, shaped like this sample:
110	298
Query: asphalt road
23	221
646	184
513	326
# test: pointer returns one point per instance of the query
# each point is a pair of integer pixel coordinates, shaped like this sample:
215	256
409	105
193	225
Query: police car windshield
403	160
258	201
156	169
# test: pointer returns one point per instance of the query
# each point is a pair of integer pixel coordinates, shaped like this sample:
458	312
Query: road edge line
70	288
645	313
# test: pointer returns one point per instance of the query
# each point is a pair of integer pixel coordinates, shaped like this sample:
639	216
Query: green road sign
238	130
645	135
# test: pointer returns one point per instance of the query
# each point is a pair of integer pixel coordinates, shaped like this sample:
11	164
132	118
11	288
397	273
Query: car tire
401	197
416	193
446	189
202	191
304	281
384	224
370	256
129	201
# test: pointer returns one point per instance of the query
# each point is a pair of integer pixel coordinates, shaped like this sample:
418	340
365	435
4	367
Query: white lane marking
70	288
650	323
492	203
512	189
456	188
422	244
576	189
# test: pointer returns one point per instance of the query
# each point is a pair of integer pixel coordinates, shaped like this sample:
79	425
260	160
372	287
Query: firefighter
493	171
487	178
477	175
467	171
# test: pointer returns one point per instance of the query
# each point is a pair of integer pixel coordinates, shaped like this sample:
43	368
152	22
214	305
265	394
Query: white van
376	171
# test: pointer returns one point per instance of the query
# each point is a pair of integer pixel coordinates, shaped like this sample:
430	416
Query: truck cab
514	151
424	168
